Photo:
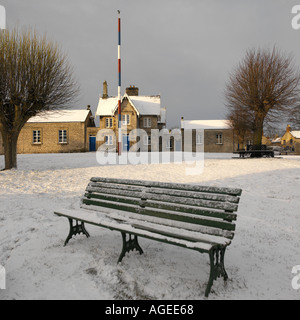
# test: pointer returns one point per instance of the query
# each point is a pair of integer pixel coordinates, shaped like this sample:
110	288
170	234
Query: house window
36	136
125	119
219	138
62	136
147	122
108	122
291	141
169	144
109	140
199	138
147	140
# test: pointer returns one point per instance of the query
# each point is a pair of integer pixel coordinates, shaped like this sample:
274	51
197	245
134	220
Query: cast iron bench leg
129	245
76	229
217	268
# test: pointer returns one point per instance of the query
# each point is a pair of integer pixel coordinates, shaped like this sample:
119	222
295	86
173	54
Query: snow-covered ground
259	261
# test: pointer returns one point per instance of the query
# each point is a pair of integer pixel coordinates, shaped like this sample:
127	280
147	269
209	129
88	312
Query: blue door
92	143
125	143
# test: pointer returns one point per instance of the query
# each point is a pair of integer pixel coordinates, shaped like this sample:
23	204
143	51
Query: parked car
277	150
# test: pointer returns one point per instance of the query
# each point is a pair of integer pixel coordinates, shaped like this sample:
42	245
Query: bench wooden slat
179	230
174	192
126	215
181	234
229	216
173	215
166	198
179	186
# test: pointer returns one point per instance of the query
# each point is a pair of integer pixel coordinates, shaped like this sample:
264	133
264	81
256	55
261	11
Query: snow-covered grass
259	261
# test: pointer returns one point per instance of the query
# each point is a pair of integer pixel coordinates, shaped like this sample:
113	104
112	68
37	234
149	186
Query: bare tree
240	121
34	76
263	88
294	118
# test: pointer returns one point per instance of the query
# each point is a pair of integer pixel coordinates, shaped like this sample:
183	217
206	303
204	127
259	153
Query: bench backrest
209	209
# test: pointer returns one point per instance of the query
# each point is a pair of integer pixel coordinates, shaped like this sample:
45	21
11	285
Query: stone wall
76	138
49	138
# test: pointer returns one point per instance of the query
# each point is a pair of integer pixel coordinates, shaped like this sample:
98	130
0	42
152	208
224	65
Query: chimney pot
132	91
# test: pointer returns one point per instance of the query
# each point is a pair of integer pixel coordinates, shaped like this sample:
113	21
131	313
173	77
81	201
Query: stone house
60	131
137	112
208	136
290	141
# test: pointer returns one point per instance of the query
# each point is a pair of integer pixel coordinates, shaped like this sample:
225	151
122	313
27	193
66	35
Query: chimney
88	107
132	91
288	128
182	123
105	94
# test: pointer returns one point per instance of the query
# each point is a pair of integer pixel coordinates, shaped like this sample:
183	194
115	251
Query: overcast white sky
181	49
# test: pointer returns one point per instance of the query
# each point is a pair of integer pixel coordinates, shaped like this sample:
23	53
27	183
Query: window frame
109	140
108	122
147	122
38	137
126	120
64	137
219	137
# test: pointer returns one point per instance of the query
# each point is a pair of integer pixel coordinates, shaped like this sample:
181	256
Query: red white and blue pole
119	88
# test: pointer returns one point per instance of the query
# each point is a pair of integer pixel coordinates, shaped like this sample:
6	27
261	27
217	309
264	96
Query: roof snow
60	116
144	105
276	140
295	134
107	107
205	124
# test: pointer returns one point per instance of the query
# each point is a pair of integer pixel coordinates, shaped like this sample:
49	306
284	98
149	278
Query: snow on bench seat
101	219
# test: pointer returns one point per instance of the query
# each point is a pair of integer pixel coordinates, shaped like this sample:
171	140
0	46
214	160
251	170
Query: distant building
276	141
62	131
291	140
214	135
137	112
58	131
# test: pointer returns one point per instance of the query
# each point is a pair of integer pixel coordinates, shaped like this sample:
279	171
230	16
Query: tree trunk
10	149
258	131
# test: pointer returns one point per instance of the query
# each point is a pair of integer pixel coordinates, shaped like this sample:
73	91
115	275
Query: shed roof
205	124
60	116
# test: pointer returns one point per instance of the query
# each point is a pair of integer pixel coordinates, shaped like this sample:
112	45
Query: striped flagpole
119	88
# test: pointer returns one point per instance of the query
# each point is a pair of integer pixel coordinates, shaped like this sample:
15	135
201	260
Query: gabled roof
143	105
107	107
295	134
60	116
205	124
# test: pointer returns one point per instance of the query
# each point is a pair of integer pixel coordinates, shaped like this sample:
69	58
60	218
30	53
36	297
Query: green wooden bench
200	218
